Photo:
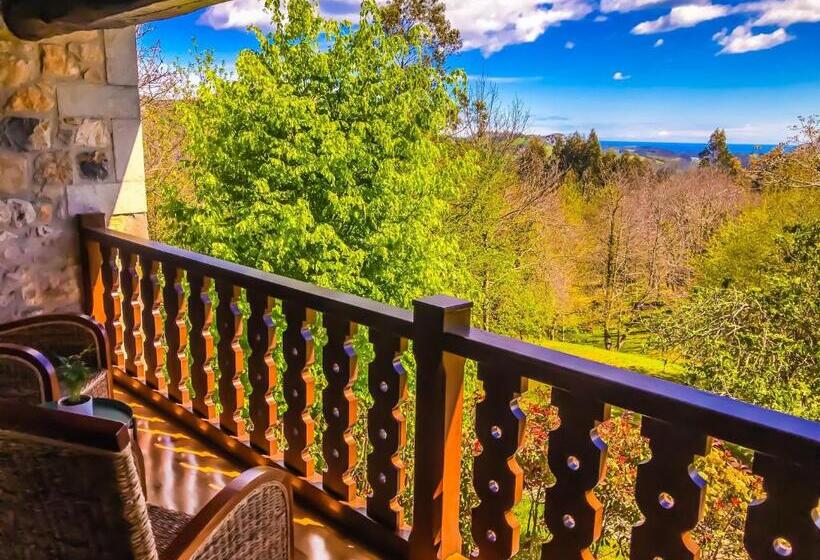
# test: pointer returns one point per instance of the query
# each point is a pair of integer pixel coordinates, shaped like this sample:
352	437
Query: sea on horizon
691	149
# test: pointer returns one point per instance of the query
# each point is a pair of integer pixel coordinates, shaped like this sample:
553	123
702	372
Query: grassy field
636	362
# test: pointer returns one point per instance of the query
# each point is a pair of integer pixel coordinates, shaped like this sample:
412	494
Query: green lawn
636	362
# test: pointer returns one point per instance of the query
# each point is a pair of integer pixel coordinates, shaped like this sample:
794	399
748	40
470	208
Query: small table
111	409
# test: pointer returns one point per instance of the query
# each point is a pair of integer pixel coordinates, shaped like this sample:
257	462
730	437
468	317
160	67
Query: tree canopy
759	342
403	17
716	154
321	158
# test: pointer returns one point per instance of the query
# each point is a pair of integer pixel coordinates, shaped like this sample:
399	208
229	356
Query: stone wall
70	142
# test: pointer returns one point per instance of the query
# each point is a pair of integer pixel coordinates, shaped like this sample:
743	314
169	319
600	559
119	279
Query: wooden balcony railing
154	327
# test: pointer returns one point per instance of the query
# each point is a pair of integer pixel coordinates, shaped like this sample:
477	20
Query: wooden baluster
154	351
230	358
176	334
112	303
131	316
262	373
439	413
576	457
497	478
386	428
92	262
340	365
297	386
786	523
202	346
669	493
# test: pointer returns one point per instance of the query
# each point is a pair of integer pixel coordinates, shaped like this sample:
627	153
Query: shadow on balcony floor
183	474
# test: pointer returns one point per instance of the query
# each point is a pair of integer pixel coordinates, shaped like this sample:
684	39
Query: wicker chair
69	490
51	336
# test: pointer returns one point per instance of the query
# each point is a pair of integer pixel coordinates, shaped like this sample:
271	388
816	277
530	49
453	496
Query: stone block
16	132
59	63
13	174
109	198
92	197
93	166
53	168
35	98
133	224
129	159
75	37
67	131
45	211
14	71
121	56
131	199
81	99
40	138
22	212
90	58
93	133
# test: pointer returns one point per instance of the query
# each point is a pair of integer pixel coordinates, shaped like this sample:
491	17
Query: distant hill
675	154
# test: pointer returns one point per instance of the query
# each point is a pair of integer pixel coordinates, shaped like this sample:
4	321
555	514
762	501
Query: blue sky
632	69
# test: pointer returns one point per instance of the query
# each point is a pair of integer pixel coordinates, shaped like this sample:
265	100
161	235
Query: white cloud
783	12
742	40
488	25
658	43
491	25
620	76
239	14
682	16
569	45
628	5
600	19
236	14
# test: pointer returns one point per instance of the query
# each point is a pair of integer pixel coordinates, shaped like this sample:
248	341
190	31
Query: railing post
91	264
439	407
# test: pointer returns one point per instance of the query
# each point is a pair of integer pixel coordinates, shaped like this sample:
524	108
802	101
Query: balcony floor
183	473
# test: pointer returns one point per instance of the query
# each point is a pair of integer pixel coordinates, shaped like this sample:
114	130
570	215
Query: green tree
717	154
760	342
323	158
403	17
795	164
494	217
745	248
573	156
593	159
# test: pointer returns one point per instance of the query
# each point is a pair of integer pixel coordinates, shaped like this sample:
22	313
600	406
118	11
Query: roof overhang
38	19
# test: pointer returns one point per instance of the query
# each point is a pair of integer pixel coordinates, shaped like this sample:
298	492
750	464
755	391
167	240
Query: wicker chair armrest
37	363
251	518
42	332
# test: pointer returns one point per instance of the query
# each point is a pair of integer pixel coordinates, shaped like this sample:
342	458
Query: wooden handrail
361	310
745	424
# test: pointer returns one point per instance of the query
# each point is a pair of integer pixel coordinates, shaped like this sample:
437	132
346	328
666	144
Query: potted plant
74	374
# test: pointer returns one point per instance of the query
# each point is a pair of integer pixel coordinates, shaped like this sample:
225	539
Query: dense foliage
759	342
321	159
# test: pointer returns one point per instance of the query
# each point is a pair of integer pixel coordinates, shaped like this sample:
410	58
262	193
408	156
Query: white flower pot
85	406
